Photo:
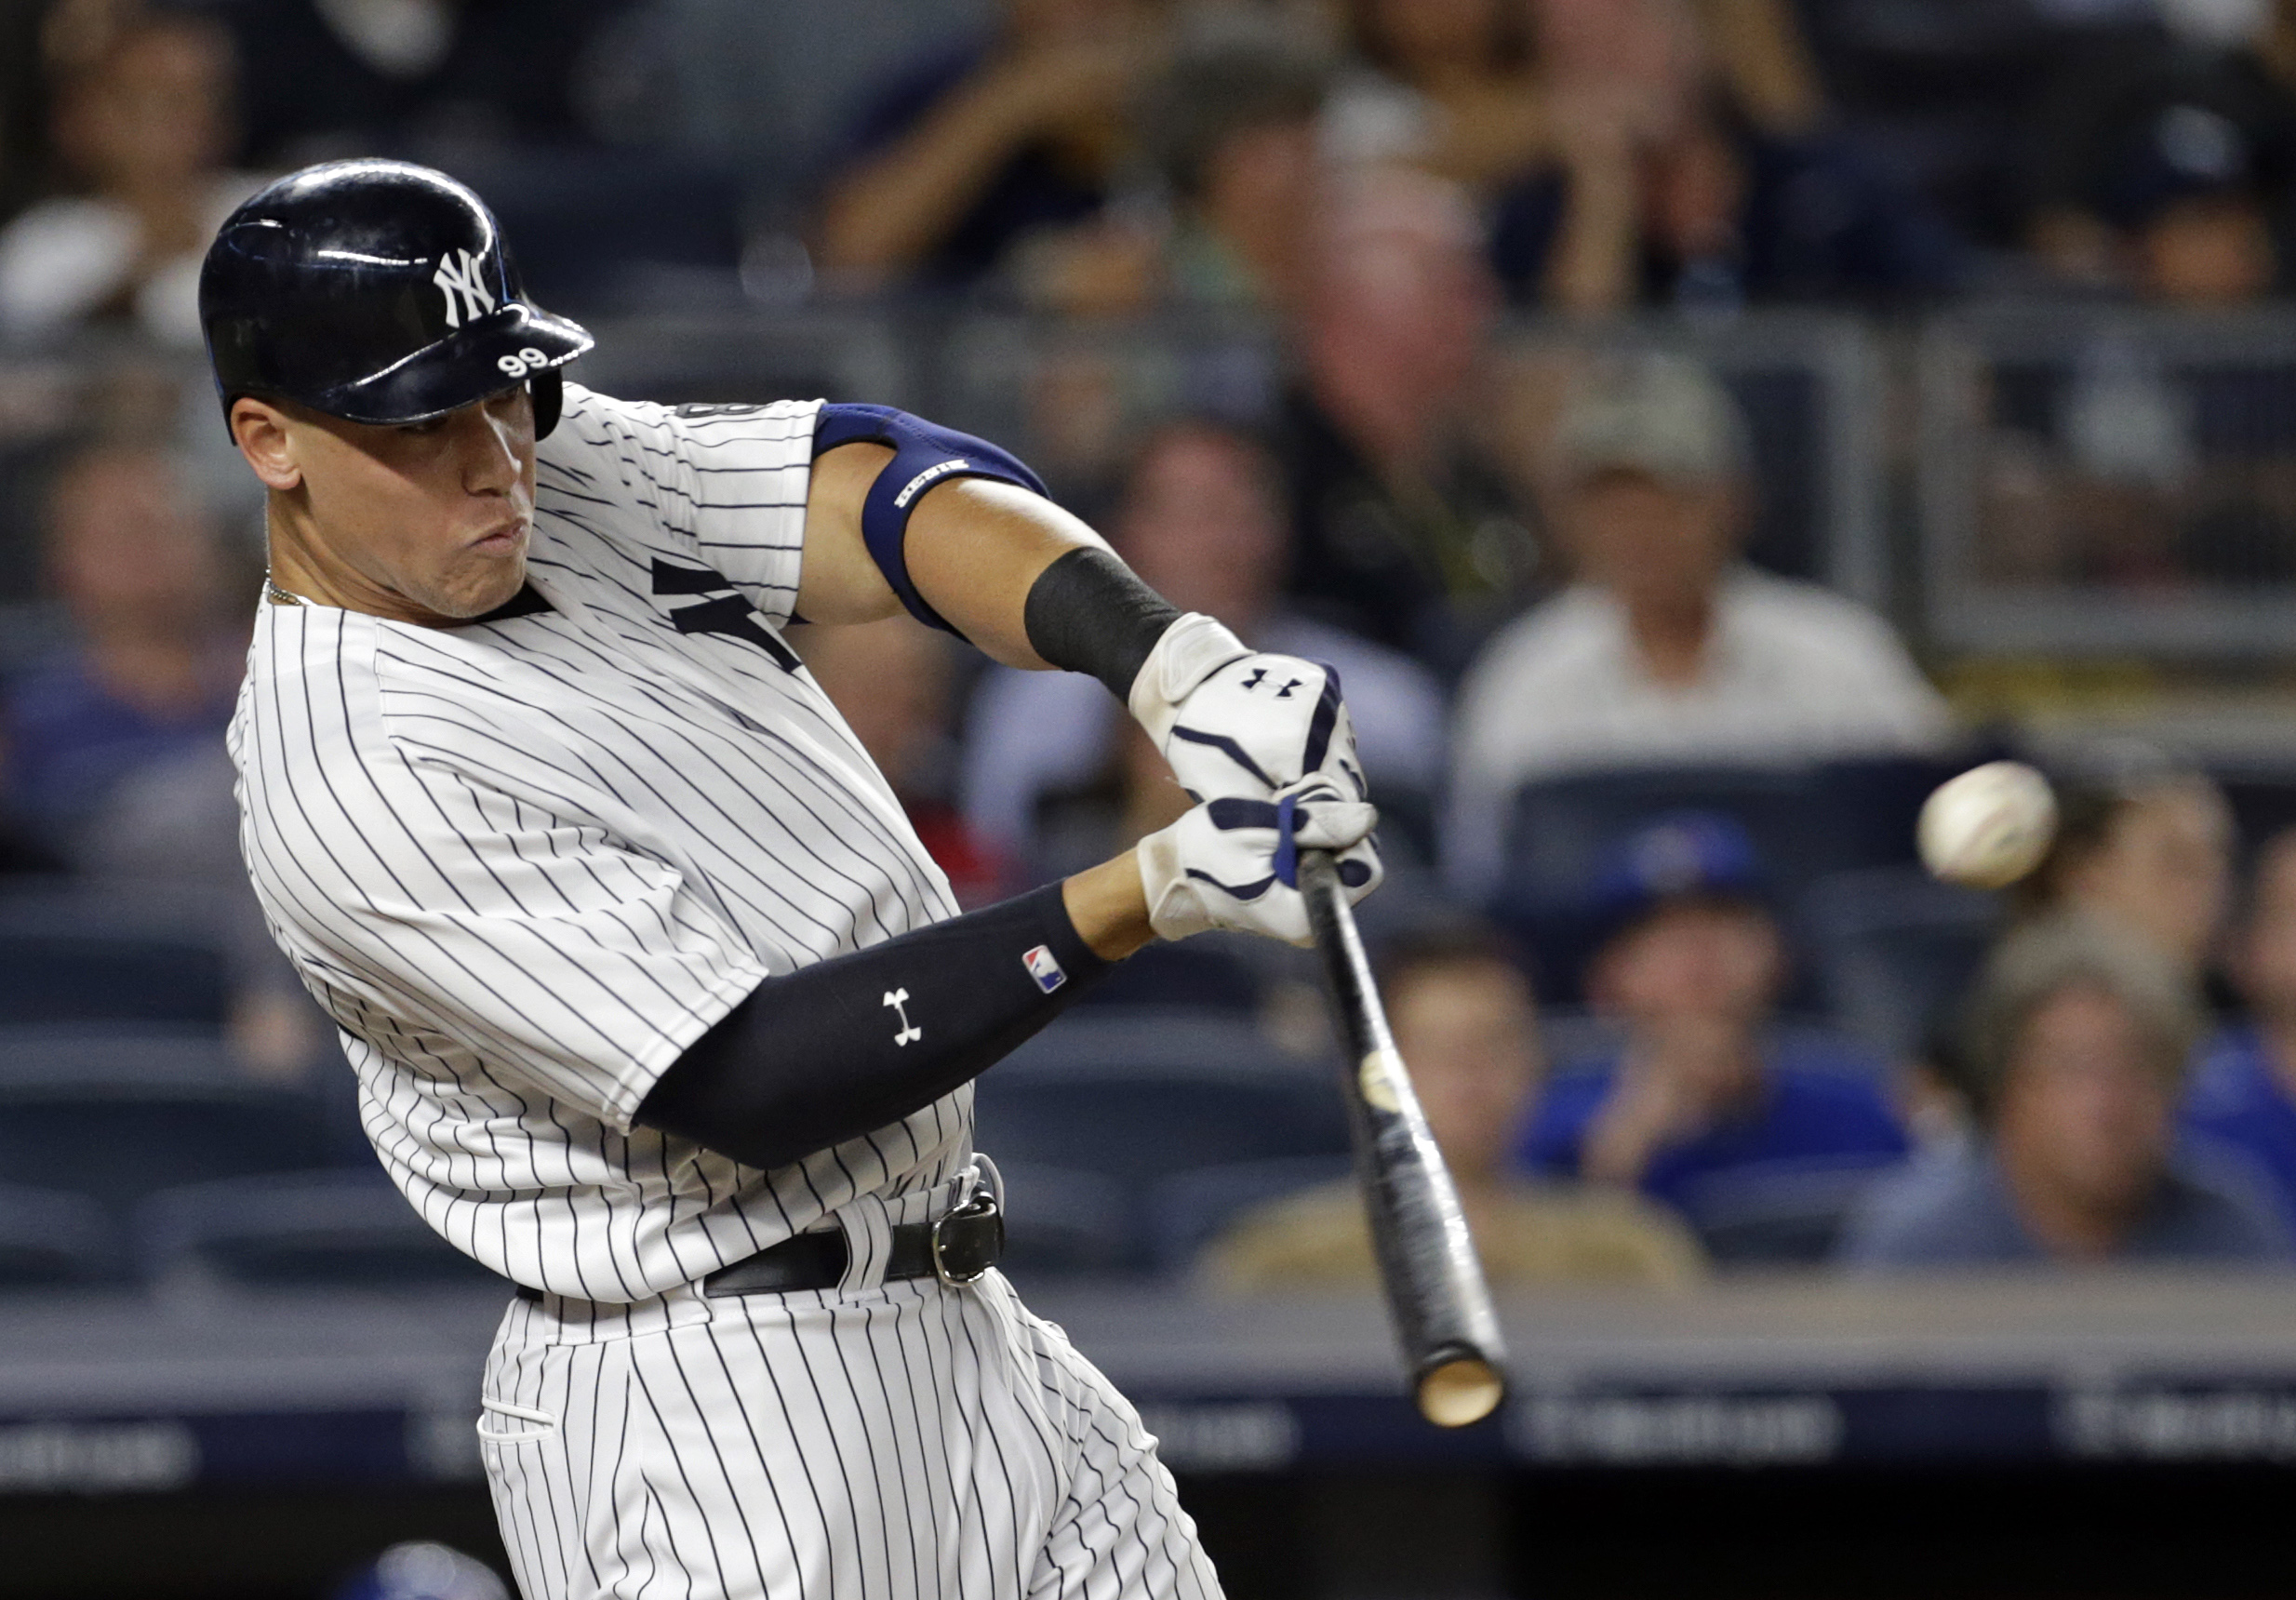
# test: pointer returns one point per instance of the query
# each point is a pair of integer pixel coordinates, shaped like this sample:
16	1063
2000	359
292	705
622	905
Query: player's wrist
1108	907
1187	652
1089	613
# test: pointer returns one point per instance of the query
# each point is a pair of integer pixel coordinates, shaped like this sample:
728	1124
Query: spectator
1447	84
329	78
1232	126
170	830
976	149
142	123
2243	1089
1407	532
1700	1088
1671	194
151	669
2163	170
2144	848
1483	91
2076	1044
1202	520
1464	1023
1666	649
891	682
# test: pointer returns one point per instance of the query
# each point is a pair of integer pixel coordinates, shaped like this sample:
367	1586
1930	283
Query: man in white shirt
1667	649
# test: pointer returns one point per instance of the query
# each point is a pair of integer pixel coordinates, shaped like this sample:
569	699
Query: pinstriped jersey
525	862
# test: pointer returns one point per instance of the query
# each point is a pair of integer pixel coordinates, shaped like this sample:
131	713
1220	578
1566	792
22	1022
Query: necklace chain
276	596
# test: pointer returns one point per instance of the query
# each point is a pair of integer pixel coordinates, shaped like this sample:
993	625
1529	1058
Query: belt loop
868	1242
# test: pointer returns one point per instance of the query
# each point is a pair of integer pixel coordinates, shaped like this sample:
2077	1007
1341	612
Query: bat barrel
1436	1293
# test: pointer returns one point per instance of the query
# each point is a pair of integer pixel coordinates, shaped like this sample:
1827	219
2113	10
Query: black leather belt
956	1248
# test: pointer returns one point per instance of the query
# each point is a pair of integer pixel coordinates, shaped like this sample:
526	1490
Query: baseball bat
1436	1293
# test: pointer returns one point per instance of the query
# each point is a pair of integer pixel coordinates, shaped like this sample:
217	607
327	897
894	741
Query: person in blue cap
1692	970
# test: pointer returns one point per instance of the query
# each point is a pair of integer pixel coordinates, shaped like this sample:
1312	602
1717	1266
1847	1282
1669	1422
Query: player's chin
489	575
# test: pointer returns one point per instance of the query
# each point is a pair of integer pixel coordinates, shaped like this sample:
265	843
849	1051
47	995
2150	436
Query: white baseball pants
903	1441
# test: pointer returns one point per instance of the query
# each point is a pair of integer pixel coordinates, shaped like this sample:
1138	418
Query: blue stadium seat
117	1116
1807	823
1061	1223
344	1228
1563	829
1779	1213
1133	1097
71	957
1188	1211
50	1239
1894	950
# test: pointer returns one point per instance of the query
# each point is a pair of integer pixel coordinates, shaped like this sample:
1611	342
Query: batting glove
1234	862
1238	724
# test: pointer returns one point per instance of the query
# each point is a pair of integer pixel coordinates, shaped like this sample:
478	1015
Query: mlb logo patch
1044	967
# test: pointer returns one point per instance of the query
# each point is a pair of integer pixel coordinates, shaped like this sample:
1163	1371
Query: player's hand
1234	862
1238	724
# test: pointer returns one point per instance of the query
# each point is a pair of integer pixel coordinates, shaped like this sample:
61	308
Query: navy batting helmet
375	291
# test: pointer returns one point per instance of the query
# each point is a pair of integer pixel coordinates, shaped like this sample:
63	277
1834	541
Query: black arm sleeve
843	1048
1088	613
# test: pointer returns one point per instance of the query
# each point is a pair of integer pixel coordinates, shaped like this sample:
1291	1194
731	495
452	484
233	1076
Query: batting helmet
375	291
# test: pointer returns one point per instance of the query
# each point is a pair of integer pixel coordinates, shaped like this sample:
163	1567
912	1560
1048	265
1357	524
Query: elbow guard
924	454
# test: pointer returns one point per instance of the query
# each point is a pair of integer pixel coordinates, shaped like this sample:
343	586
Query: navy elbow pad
924	454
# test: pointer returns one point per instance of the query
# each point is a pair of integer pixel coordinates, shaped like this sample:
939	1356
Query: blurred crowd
1674	993
1100	155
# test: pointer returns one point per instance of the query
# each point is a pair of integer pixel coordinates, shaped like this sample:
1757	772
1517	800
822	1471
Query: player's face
424	523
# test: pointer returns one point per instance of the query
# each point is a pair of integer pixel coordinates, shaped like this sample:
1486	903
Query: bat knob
1460	1391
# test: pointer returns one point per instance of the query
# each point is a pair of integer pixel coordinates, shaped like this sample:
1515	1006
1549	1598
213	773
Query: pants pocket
503	1423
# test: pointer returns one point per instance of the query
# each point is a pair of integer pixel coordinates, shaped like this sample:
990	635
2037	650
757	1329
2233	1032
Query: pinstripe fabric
903	1441
525	863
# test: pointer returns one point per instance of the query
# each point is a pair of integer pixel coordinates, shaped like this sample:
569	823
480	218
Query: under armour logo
464	286
910	1033
1259	676
1284	693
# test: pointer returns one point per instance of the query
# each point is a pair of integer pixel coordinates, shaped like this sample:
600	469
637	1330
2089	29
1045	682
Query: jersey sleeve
723	486
473	910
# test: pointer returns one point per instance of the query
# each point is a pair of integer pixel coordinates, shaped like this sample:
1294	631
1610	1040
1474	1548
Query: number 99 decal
525	361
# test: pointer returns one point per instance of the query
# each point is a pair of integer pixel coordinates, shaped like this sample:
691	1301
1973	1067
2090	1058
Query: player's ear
266	438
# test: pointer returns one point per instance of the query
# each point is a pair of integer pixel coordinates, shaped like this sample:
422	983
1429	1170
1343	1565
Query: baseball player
658	1007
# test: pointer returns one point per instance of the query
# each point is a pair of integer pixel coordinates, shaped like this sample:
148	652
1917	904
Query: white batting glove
1239	723
1234	862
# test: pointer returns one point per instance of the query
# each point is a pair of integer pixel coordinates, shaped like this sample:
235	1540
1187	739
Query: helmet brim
497	350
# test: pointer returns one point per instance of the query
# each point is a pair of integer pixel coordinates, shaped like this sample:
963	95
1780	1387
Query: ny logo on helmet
466	288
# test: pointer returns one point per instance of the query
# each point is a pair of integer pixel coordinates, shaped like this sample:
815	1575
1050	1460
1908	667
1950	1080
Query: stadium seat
50	1239
117	1116
1564	829
1894	950
1782	1213
1061	1223
70	956
1134	1098
1188	1211
343	1229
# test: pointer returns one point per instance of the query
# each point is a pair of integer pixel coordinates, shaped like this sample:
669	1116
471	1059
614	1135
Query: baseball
1988	827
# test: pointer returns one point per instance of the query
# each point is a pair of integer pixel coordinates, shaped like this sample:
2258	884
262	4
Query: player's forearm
854	1043
978	550
903	513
